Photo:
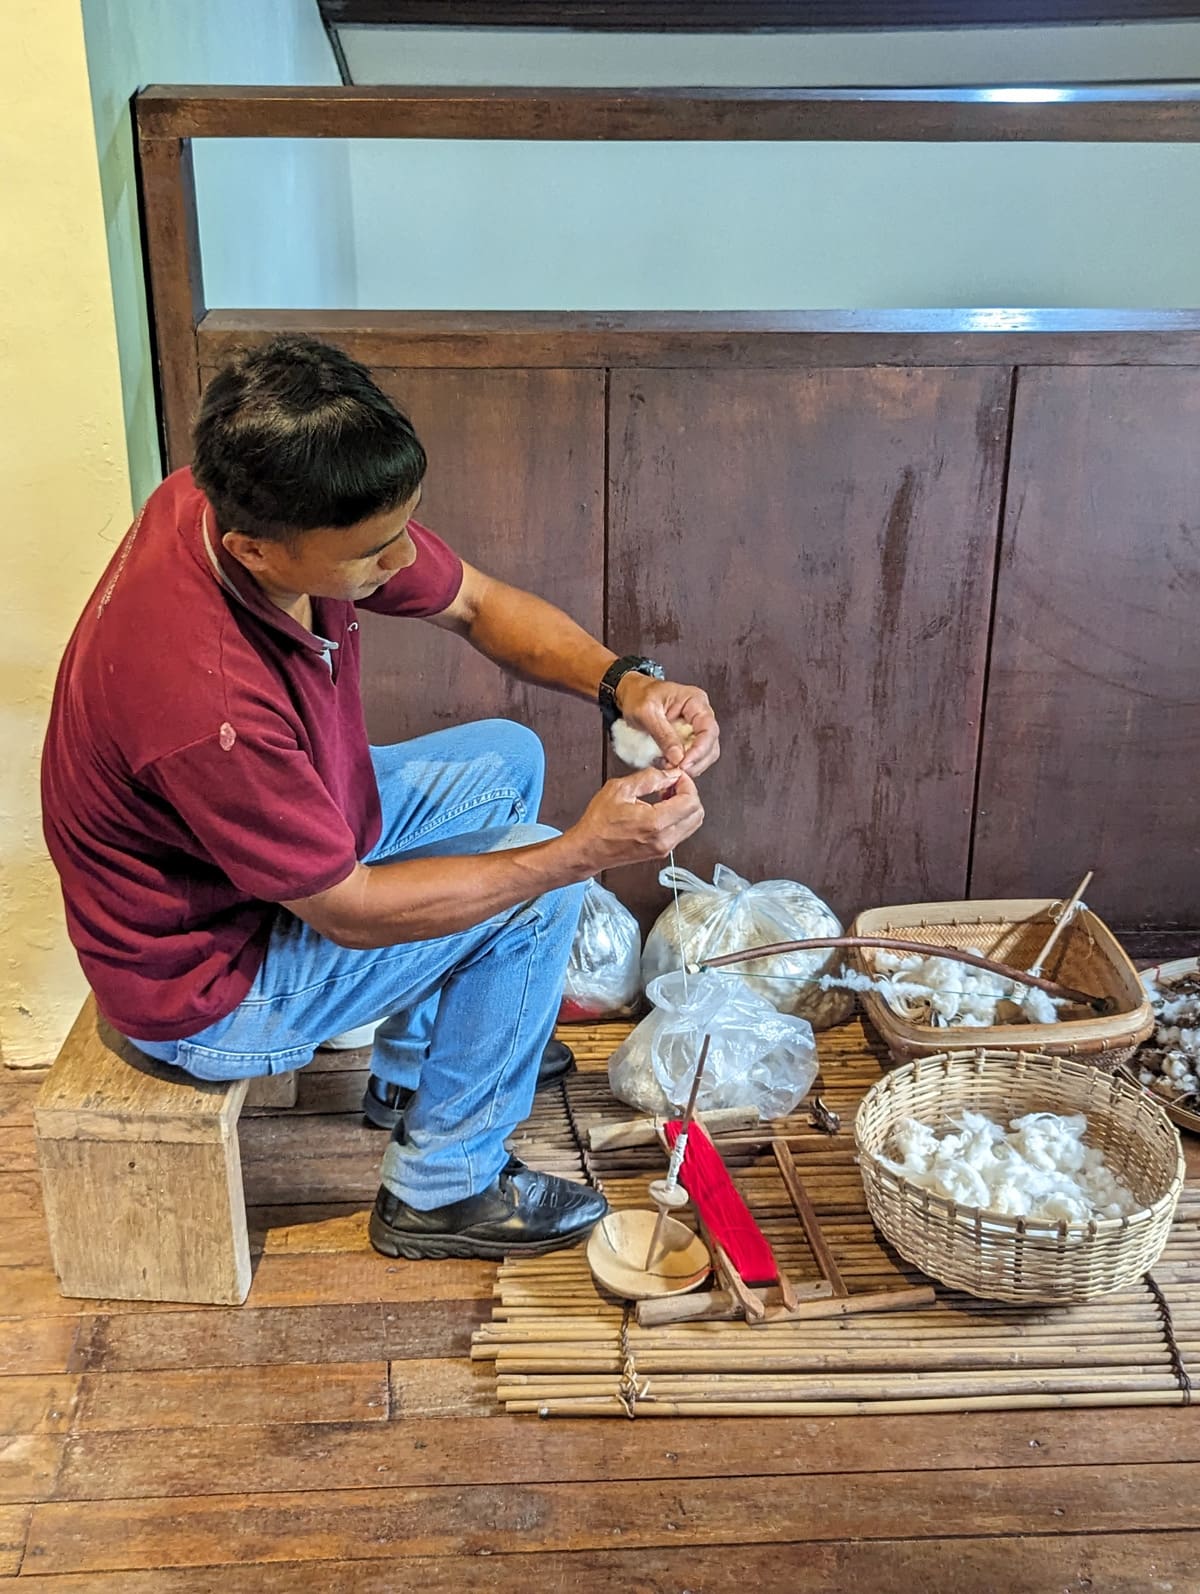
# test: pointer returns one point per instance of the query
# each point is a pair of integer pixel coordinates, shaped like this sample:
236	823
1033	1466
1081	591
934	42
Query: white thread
679	926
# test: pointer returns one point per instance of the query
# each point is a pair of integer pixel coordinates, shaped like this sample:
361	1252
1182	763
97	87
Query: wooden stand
141	1173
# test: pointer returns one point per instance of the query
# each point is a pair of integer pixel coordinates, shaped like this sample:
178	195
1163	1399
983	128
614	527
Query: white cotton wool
638	749
944	993
1172	1059
1039	1168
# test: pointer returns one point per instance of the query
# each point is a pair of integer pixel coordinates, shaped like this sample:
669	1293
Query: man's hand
620	826
652	706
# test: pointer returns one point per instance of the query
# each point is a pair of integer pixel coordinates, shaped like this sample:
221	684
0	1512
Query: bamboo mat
561	1347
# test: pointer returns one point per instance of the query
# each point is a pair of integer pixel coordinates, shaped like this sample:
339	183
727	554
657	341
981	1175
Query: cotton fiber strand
940	992
1038	1168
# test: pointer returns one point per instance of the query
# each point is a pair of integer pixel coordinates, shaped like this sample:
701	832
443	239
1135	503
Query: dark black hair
296	435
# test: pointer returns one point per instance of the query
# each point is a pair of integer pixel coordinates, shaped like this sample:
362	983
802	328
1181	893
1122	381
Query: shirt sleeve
427	586
259	811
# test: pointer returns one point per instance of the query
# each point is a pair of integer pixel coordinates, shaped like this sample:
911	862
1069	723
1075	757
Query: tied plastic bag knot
729	914
604	974
757	1057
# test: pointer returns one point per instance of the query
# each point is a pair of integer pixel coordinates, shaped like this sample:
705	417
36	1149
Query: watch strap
613	677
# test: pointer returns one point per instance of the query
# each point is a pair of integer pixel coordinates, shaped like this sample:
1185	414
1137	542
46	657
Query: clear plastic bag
757	1057
604	975
731	914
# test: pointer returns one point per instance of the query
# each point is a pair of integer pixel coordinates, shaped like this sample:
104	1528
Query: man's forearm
423	899
537	642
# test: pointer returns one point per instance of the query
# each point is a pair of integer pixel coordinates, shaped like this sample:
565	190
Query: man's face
347	562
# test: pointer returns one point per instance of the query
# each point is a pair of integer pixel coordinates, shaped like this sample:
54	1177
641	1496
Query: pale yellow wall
63	470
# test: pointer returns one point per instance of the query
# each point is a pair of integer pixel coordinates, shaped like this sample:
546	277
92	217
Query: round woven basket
1017	1259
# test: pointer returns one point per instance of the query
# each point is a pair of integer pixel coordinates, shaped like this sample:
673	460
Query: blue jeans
465	1017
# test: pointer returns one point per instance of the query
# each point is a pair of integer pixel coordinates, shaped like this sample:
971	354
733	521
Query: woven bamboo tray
1016	1259
1088	957
1168	974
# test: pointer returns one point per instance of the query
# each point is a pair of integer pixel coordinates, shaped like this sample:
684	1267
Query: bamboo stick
808	1408
1064	918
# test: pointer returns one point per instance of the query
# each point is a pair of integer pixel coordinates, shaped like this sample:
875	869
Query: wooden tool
788	1303
665	1193
1060	924
648	1131
682	1262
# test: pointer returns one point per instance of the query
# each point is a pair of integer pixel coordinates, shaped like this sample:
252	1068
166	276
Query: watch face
648	667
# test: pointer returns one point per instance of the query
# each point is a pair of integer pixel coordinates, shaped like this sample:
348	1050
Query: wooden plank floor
333	1435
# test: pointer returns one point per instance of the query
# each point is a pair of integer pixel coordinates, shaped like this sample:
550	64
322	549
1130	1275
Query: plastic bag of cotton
730	914
604	974
757	1056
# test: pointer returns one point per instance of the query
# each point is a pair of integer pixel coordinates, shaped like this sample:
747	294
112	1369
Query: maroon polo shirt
206	759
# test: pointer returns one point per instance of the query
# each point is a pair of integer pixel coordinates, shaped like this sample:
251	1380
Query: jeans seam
508	793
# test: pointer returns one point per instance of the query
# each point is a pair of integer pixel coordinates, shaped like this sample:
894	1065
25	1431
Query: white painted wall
710	226
275	219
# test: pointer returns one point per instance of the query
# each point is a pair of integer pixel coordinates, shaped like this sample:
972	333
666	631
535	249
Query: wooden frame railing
170	118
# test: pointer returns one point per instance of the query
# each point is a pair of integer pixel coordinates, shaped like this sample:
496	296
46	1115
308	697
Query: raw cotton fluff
638	749
1038	1168
1170	1065
942	993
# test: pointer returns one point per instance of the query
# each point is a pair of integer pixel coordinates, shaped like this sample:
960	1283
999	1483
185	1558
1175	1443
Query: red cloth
722	1211
206	759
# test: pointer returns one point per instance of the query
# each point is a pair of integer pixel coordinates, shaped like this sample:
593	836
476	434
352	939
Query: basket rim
1002	1223
1113	1031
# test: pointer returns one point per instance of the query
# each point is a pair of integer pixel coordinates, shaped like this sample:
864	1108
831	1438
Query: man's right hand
619	826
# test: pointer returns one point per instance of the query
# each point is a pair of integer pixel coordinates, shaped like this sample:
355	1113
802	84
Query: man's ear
248	551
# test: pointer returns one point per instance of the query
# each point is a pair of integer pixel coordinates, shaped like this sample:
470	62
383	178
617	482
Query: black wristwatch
615	674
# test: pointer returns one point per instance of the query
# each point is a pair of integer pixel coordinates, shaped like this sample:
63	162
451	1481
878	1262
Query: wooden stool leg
148	1220
273	1090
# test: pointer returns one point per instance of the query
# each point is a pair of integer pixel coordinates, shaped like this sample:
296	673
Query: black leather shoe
523	1214
383	1105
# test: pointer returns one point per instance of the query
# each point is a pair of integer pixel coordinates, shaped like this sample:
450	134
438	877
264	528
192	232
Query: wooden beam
740	16
407	339
1076	115
175	286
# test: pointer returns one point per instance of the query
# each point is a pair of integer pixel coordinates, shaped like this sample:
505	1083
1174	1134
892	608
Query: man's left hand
652	706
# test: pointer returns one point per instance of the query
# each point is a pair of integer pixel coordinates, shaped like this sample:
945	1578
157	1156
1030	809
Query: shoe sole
443	1247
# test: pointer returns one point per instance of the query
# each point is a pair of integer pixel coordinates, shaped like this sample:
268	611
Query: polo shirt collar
241	587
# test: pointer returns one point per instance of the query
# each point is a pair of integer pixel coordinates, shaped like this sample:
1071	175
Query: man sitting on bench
244	877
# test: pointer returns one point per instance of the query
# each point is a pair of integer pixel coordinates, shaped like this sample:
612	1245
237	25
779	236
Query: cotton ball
638	749
1039	1006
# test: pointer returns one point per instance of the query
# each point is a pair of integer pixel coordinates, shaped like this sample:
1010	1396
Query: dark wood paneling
803	339
1120	113
516	485
817	549
740	16
175	285
1092	740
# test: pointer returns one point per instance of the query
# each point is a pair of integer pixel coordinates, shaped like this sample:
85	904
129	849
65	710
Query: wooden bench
141	1172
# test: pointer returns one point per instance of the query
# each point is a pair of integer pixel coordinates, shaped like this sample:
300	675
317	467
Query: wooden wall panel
1092	738
818	549
516	485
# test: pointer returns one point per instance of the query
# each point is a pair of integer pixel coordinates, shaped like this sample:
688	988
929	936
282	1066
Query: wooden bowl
616	1254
